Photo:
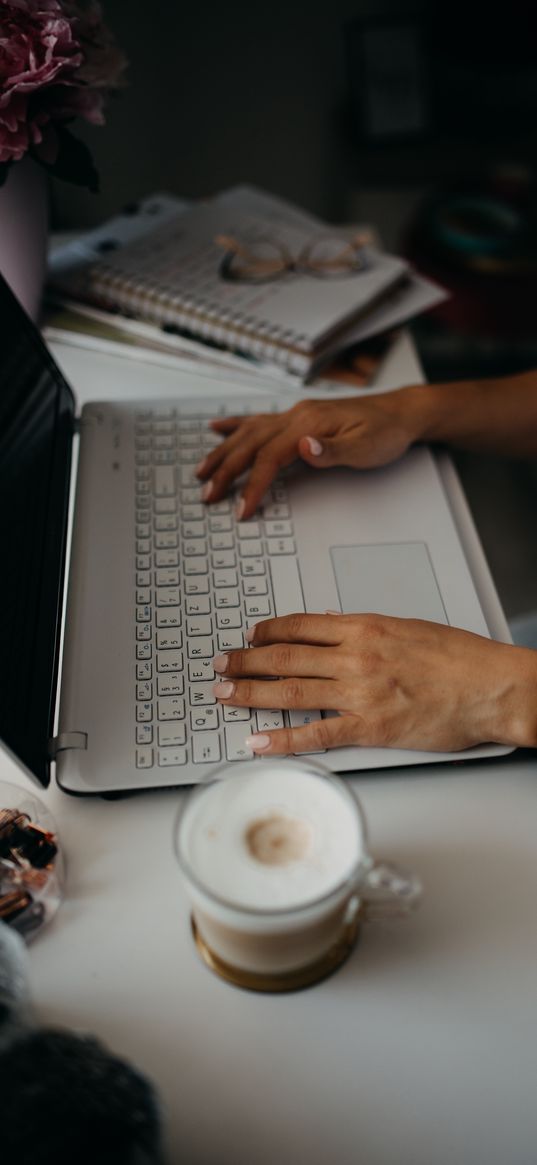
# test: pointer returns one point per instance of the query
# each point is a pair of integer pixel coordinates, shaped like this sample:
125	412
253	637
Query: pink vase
23	232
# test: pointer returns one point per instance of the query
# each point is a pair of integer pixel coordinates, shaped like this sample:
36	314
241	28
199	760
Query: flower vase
23	232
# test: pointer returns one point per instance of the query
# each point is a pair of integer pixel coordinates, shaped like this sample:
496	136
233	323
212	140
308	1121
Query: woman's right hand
358	432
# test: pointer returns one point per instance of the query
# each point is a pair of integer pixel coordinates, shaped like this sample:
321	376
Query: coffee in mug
278	873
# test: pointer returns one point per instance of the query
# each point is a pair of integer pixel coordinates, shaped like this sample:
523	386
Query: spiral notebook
174	277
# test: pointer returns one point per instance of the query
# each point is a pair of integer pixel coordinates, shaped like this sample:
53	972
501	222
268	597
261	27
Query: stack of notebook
245	272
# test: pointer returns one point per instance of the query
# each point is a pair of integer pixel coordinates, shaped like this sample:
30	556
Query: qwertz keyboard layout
201	579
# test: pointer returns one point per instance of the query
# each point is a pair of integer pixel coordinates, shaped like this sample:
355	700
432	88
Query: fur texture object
65	1098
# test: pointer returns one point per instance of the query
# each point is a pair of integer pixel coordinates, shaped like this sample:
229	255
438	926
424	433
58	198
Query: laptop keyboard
202	579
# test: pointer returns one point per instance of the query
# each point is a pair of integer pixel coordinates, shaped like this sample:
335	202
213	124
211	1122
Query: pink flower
57	61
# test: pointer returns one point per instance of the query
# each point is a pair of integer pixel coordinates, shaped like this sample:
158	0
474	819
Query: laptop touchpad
389	579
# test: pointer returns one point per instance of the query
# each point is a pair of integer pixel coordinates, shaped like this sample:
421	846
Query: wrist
518	711
426	410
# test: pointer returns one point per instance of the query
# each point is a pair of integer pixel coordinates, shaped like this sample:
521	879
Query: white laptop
159	583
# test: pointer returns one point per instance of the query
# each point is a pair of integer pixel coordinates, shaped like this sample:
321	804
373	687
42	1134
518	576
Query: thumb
329	451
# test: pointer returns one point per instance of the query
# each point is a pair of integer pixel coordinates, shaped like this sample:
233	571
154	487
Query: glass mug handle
386	891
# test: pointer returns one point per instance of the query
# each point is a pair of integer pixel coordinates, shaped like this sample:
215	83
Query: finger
218	454
225	424
329	451
230	468
291	692
313	629
315	737
282	450
281	659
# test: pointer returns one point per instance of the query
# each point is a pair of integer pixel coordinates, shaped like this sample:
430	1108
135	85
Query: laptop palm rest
388	578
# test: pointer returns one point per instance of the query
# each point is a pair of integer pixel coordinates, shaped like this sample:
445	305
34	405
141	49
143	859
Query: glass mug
275	860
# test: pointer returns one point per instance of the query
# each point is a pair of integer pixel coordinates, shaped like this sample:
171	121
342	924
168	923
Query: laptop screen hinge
67	740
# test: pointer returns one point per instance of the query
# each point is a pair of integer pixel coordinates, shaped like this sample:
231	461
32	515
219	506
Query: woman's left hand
396	683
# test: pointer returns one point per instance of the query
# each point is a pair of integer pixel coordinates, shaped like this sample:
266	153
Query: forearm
493	415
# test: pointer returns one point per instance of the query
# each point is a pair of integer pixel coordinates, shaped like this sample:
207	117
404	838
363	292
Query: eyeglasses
326	257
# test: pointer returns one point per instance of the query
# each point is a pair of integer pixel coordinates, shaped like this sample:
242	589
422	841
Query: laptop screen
36	427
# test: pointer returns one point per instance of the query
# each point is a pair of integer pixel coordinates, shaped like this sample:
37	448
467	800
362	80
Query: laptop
158	583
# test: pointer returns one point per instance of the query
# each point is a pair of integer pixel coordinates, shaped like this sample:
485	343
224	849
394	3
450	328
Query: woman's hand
396	683
355	432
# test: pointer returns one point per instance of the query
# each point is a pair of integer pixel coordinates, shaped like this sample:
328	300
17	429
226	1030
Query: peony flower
58	61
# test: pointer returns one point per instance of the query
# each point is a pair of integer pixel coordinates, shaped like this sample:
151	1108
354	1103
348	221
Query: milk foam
271	838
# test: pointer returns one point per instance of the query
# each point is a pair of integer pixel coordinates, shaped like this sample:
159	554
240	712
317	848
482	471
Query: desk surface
421	1050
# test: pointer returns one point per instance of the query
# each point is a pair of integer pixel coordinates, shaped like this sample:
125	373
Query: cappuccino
273	853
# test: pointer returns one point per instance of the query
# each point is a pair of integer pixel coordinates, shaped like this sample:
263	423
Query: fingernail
220	663
239	509
199	466
223	688
329	612
258	743
314	446
250	632
206	491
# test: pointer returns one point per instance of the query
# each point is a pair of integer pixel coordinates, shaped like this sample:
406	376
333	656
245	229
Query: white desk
421	1050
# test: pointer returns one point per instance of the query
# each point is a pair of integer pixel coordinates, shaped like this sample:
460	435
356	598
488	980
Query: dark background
377	112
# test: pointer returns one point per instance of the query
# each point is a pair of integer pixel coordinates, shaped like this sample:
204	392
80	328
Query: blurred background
418	118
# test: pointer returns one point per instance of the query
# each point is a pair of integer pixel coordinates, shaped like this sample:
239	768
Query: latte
273	854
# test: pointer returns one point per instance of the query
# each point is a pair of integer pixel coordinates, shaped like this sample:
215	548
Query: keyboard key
198	605
164	480
203	719
236	748
171	708
167	597
205	747
144	650
165	558
276	510
144	758
222	541
248	529
144	712
143	631
258	607
196	566
144	734
166	522
231	618
201	669
202	694
250	566
199	625
251	548
233	715
168	577
286	585
230	640
169	661
193	546
268	719
225	578
278	529
224	558
201	647
172	734
171	756
144	670
226	597
168	640
144	690
168	616
196	585
170	684
281	546
255	586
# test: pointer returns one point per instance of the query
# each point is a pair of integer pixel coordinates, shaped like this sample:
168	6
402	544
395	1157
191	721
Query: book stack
244	279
